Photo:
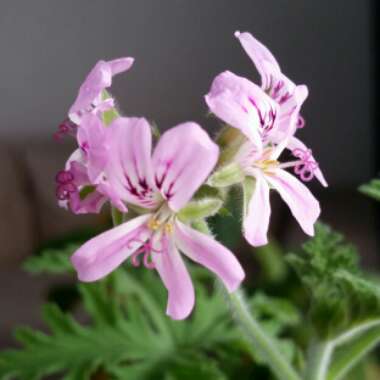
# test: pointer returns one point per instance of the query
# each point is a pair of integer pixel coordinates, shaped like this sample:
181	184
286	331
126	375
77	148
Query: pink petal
183	158
92	140
98	79
256	221
208	252
295	143
129	170
304	207
120	65
105	252
176	279
92	203
242	104
260	55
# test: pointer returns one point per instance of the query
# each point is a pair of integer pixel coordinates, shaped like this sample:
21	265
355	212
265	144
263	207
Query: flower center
160	224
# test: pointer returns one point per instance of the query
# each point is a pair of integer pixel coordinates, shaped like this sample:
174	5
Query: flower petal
256	220
98	79
183	158
208	252
91	139
304	207
243	105
120	65
105	252
260	55
92	203
129	170
176	279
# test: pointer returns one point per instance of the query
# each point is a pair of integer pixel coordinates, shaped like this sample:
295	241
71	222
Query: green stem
320	352
273	357
318	360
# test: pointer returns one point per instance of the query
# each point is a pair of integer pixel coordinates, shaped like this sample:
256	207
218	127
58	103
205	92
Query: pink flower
269	173
78	185
268	114
161	184
282	90
89	98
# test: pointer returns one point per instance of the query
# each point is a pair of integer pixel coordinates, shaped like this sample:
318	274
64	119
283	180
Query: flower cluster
116	162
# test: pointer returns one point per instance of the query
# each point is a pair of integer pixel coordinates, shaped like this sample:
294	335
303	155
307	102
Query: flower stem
261	341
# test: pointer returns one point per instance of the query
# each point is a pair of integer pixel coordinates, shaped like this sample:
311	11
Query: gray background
47	47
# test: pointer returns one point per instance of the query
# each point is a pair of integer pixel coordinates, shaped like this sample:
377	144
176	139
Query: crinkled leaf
340	294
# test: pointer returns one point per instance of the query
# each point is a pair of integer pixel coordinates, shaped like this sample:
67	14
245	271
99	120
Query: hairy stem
261	341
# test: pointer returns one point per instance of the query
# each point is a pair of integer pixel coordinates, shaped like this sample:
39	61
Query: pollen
153	224
267	165
168	228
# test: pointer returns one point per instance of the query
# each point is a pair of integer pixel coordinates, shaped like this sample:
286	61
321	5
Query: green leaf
127	334
340	294
228	175
275	315
54	261
371	189
349	355
200	209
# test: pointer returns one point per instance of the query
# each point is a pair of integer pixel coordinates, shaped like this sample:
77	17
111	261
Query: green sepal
86	190
200	209
226	176
110	115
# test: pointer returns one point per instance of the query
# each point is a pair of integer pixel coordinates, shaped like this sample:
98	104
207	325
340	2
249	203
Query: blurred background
48	47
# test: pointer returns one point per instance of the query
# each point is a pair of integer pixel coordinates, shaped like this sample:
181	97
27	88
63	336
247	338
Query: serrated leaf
54	261
128	334
340	294
371	189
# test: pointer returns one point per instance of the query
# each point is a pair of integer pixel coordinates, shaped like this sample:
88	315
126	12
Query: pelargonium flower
78	185
89	98
283	91
160	184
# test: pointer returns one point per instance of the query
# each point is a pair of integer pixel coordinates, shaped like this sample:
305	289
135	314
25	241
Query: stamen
146	250
153	224
300	122
67	127
168	228
306	166
65	184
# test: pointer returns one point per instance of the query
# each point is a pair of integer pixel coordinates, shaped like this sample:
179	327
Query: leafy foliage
128	333
53	261
276	316
340	294
371	189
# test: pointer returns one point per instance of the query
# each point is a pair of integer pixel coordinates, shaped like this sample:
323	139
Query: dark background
47	48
